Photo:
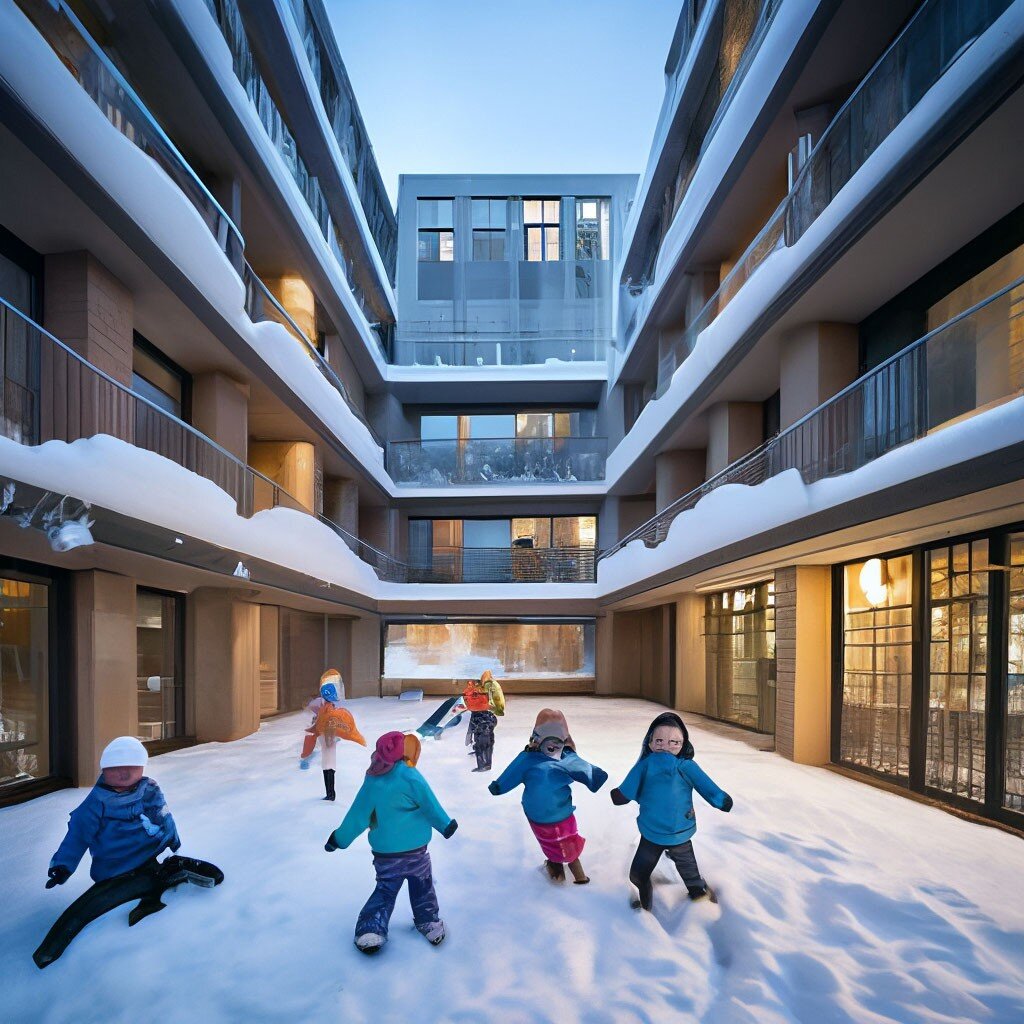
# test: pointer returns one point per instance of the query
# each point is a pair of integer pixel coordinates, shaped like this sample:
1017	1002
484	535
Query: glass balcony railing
96	74
480	461
970	364
928	45
342	111
505	565
487	352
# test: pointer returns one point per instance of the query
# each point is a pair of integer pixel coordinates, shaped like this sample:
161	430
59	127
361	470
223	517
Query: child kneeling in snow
125	825
546	769
399	808
662	783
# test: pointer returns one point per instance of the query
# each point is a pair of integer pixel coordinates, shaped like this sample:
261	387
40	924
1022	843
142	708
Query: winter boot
370	942
142	909
579	876
698	892
434	933
329	783
198	872
556	871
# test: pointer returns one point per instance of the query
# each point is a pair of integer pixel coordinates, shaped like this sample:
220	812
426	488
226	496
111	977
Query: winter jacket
547	796
663	784
110	826
399	808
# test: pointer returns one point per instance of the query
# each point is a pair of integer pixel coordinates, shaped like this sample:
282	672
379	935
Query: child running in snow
331	722
546	769
662	783
124	823
399	808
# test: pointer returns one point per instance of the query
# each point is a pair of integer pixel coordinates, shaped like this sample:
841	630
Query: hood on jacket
411	749
545	716
668	718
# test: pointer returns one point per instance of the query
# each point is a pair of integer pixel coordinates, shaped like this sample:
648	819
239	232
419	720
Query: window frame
544	226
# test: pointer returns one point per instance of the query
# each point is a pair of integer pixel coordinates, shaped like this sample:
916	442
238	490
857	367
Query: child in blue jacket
399	808
125	824
546	769
662	783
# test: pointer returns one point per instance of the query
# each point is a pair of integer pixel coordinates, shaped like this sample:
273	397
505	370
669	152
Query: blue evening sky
532	86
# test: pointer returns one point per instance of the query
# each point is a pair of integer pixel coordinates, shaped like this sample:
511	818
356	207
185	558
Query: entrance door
160	677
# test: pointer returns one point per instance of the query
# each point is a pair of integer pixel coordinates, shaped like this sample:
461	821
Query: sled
435	724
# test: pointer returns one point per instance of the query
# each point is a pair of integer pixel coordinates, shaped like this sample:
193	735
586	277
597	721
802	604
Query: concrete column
298	299
677	473
691	659
106	698
604	669
803	662
815	361
291	464
341	503
734	429
89	310
223	661
382	527
220	409
363	671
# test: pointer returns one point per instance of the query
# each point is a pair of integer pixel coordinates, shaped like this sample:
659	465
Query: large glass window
877	664
592	229
541	219
488	229
739	638
19	360
958	667
24	681
1013	721
436	234
159	672
512	651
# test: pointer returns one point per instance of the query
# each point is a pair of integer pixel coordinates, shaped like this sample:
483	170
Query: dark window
488	229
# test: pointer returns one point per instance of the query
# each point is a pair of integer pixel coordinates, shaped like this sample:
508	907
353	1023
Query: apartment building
741	434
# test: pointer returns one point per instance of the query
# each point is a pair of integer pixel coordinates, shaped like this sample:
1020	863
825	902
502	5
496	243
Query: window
488	229
592	231
159	673
540	229
158	378
436	238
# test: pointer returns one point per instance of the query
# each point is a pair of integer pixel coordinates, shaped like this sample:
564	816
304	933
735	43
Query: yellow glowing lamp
873	582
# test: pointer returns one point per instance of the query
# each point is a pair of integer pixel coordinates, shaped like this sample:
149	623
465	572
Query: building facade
742	435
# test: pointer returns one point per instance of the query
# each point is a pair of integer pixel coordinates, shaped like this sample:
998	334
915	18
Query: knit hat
411	749
672	719
332	686
388	752
546	715
125	750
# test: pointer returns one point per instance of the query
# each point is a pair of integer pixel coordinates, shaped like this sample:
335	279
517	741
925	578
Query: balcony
928	45
508	350
506	565
483	461
968	365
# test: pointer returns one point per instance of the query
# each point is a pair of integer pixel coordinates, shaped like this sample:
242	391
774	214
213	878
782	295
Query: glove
493	788
618	797
304	764
57	876
450	829
330	846
727	803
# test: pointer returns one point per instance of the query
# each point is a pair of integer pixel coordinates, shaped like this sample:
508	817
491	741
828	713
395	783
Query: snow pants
146	883
392	870
481	728
646	858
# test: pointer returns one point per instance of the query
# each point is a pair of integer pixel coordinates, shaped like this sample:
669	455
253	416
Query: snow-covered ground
839	902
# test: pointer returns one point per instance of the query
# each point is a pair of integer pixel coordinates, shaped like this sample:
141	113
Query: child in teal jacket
662	783
400	810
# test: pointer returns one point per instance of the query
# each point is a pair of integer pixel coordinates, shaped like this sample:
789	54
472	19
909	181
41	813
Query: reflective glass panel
158	669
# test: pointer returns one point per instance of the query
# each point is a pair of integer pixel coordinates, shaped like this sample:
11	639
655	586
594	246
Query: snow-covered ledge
733	512
785	265
552	369
150	197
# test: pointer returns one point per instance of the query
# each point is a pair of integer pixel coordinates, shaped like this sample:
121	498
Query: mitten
727	803
330	846
493	788
450	829
57	876
618	797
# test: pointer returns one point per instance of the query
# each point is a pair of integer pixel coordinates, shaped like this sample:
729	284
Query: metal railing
480	461
342	112
935	37
106	86
971	363
262	305
511	351
505	565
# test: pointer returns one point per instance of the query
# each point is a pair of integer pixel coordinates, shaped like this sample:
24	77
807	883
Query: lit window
592	229
540	228
488	229
436	236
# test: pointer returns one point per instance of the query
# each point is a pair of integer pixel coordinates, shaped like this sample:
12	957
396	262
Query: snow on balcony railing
504	565
973	362
510	351
481	461
96	74
939	32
